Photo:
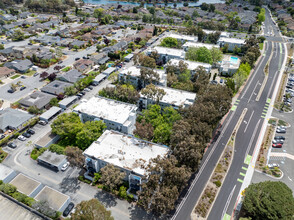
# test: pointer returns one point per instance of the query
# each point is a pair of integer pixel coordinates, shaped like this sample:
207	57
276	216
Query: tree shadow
71	185
106	198
138	213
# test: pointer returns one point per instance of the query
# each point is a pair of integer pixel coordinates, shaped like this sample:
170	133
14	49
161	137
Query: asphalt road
246	137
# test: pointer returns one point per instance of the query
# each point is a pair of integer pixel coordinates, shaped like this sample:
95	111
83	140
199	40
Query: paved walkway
275	154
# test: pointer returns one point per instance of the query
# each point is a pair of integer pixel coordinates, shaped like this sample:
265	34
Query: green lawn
66	69
261	46
30	73
15	76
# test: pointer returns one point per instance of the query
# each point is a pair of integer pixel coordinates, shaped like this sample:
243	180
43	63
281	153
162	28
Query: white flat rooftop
183	37
193	44
170	51
106	109
231	40
135	72
125	151
177	97
191	64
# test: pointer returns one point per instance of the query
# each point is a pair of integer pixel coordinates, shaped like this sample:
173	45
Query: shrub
217	183
123	192
57	149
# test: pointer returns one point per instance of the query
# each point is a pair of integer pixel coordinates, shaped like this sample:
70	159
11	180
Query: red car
277	145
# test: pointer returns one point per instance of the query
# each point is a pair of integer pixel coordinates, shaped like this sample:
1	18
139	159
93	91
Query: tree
91	210
216	54
52	76
145	61
201	54
75	156
98	13
153	92
18	35
67	126
106	41
90	132
54	102
155	30
268	200
71	90
1	47
169	42
33	110
44	75
111	177
148	76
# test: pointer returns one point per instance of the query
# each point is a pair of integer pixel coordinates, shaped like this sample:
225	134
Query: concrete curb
276	178
250	171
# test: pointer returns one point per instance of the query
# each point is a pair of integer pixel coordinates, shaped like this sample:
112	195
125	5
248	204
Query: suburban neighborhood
146	110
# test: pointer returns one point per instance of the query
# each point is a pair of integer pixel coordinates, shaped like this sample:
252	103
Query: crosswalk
265	109
235	105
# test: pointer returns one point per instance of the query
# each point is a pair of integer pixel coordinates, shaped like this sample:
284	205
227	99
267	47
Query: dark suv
68	209
27	135
12	145
30	131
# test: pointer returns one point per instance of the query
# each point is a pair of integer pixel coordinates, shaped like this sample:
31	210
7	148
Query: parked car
10	91
68	209
65	166
22	88
278	141
36	74
23	77
90	87
30	131
2	136
83	92
27	135
277	145
86	89
12	145
77	58
22	138
279	137
283	131
213	82
41	122
272	165
60	62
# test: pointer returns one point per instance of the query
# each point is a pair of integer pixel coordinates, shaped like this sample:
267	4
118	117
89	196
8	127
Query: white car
271	166
65	166
22	138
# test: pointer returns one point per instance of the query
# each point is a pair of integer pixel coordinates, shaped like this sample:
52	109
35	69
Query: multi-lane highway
257	96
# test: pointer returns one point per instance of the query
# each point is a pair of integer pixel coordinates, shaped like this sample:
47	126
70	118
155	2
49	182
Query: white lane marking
249	121
252	138
253	92
228	202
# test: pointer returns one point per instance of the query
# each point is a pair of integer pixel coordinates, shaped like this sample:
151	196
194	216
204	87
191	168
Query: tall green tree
91	210
111	177
169	42
89	133
269	200
200	54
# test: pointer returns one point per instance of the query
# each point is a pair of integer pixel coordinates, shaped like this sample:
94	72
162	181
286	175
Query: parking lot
30	82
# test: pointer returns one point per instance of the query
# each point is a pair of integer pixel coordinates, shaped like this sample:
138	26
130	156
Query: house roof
13	118
71	76
56	87
38	99
6	71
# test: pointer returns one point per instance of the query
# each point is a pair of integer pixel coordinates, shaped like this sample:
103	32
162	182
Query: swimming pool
234	59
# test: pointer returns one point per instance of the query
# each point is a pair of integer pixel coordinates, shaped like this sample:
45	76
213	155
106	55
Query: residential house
116	115
229	65
56	87
8	17
5	72
183	38
11	119
71	76
38	99
98	57
128	153
84	65
132	75
21	66
120	46
78	44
